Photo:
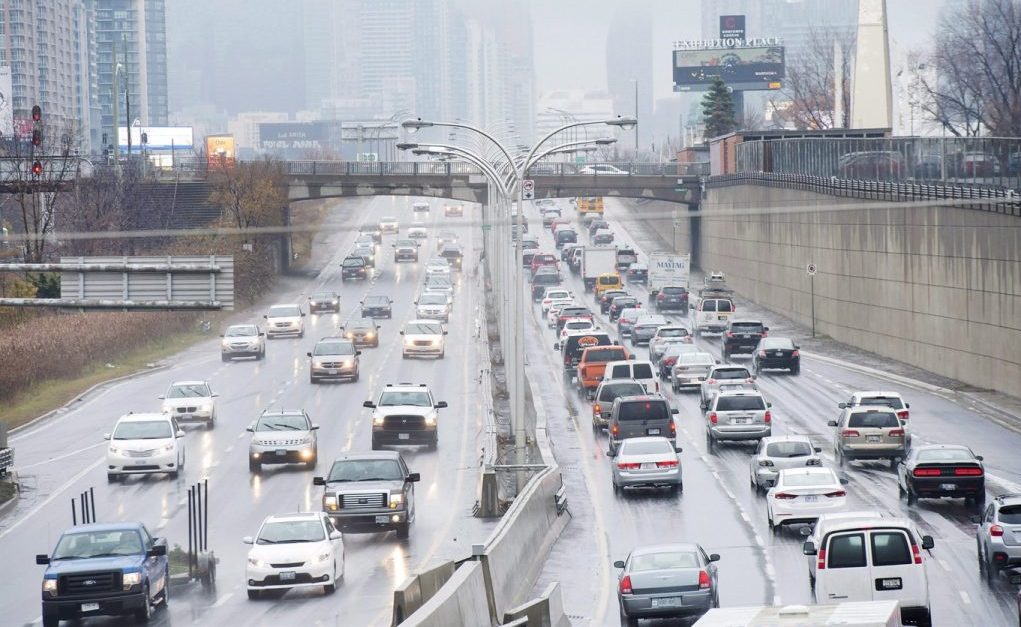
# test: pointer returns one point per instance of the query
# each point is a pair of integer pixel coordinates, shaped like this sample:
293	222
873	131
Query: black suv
377	306
672	297
353	267
742	336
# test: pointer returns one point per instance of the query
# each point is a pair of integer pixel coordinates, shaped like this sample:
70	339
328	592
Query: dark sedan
377	306
942	470
619	304
324	301
638	273
362	332
607	298
353	267
777	352
672	297
545	276
667	581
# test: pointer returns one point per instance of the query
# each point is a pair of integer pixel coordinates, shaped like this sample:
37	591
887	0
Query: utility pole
636	117
116	106
127	97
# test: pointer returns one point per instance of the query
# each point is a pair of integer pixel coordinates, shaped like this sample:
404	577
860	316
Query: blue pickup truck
111	569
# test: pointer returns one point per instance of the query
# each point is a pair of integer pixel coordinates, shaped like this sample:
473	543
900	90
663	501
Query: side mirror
769	404
157	550
714	557
444	333
556	346
678	449
303	314
318	481
842	405
610	453
717	361
247	540
369	404
928	542
618	564
179	434
673	410
221	335
796	347
250	428
440	405
357	353
817	449
315	427
402	332
844	481
413	477
335	535
161	397
106	436
215	394
808	548
308	354
266	317
261	334
977	520
765	328
907	405
979	457
42	560
831	423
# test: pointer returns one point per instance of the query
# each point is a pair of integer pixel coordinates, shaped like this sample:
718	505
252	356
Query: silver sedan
667	581
648	461
775	453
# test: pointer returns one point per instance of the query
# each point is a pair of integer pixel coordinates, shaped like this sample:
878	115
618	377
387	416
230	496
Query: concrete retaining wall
935	287
461	601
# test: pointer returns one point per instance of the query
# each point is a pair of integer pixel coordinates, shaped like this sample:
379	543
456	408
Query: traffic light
37	137
37	168
37	113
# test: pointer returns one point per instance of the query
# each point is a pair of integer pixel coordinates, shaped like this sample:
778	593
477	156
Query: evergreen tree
718	110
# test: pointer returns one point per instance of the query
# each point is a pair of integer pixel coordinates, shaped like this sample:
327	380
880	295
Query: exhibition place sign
701	44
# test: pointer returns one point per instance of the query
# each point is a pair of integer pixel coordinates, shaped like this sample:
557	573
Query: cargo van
712	315
874	560
641	371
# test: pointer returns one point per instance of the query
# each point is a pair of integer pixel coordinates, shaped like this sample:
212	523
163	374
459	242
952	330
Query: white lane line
162	523
228	449
60	457
67	484
222	599
943	564
965	597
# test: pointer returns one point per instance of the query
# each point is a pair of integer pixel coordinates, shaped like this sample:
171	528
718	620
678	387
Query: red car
544	259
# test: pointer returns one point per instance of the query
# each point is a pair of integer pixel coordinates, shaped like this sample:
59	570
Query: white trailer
596	260
668	269
848	614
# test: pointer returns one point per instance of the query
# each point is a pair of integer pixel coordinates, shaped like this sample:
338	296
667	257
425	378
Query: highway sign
528	189
812	269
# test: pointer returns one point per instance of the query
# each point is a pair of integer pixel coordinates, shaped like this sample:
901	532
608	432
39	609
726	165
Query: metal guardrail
972	161
994	200
432	168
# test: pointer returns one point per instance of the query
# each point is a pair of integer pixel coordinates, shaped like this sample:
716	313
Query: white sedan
554	310
295	551
572	325
553	294
438	267
801	495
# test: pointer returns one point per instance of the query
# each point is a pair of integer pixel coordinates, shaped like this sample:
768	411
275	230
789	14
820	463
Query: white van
875	560
712	315
641	371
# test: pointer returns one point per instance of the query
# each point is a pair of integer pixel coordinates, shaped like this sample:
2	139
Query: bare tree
251	193
970	81
808	97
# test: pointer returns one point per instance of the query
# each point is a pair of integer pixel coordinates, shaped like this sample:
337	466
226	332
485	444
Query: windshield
334	348
406	243
432	299
191	390
663	561
579	324
366	470
282	422
673	332
605	354
143	430
323	296
546	278
376	301
291	531
776	343
284	311
392	398
610	392
674	290
242	331
360	324
945	455
422	328
788	449
354	262
731	373
746	327
695	359
882	401
91	544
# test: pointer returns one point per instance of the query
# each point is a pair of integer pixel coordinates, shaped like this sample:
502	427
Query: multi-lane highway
62	456
720	510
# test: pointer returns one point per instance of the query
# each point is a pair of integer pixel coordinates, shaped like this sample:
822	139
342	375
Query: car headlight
765	463
224	343
349	335
370	335
254	561
431	420
330	502
395	500
50	585
114	450
323	557
131	579
169	447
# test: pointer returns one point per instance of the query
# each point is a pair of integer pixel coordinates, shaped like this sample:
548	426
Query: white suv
423	337
285	320
405	413
144	444
191	400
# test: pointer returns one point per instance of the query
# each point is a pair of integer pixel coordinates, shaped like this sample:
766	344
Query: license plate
648	465
740	421
281	452
721	317
667	602
652	431
811	498
889	583
873	439
947	486
403	436
382	519
184	416
1015	578
287	575
90	607
331	372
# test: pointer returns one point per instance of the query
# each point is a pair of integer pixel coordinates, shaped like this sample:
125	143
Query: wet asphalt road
63	456
718	507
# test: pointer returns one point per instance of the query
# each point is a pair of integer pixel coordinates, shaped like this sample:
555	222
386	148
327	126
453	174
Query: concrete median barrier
547	610
419	588
461	601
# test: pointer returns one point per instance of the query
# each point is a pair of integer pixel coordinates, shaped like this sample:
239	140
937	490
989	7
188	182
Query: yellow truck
589	204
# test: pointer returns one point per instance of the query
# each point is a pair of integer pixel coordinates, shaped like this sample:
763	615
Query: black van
573	346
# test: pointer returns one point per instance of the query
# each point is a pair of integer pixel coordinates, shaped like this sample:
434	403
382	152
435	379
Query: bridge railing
427	168
974	161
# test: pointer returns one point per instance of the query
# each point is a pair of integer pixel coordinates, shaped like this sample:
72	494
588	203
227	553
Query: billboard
220	150
745	68
158	138
293	136
732	27
6	110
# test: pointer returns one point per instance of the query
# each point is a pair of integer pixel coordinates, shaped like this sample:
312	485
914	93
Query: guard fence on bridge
449	168
980	162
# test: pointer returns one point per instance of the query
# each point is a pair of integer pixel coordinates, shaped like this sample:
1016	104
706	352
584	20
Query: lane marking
965	597
60	490
60	457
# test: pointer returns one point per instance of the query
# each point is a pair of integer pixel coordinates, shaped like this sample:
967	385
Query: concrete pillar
871	91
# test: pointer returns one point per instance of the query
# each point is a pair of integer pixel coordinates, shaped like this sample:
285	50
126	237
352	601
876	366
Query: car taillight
968	472
836	494
711	381
820	564
902	414
673	428
796	354
916	553
661	296
765	333
850	433
896	433
730	334
996	531
768	417
713	417
762	354
628	465
927	472
667	464
596	408
783	496
615	430
625	584
704	583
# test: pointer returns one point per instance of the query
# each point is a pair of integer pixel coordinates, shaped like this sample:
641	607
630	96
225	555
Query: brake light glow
628	465
704	583
996	531
836	494
968	472
765	334
673	428
796	354
762	354
711	381
927	472
667	464
596	408
916	553
730	334
850	433
768	417
903	414
615	430
783	496
820	564
625	584
896	433
661	296
713	418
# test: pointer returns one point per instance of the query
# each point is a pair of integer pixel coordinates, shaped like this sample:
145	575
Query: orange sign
220	150
587	341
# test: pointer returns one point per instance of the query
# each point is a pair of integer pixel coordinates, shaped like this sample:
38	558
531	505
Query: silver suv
333	358
737	415
999	534
283	437
723	375
243	340
868	433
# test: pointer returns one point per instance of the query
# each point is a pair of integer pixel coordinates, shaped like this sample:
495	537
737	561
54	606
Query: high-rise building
131	41
629	74
49	49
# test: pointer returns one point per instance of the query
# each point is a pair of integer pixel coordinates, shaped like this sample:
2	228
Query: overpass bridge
673	182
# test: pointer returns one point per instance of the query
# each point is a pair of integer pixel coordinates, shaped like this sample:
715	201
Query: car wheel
315	460
912	497
165	595
628	621
710	442
144	614
261	355
224	358
312	379
839	457
254	594
924	619
357	374
403	530
111	478
796	369
375	444
254	466
434	443
616	488
893	463
301	333
174	474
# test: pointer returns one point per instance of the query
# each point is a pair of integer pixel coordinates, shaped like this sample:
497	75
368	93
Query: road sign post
528	189
812	269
